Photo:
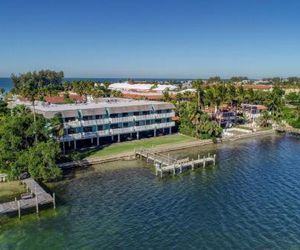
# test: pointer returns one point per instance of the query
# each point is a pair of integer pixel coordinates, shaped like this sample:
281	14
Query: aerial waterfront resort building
108	120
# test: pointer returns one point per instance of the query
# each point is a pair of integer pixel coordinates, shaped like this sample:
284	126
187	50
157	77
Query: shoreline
159	149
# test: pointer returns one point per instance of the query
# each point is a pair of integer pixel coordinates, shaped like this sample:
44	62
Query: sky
151	38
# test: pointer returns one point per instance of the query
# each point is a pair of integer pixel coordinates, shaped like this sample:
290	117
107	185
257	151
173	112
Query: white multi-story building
110	120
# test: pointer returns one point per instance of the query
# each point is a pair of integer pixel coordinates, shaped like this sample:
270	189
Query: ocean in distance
249	200
6	83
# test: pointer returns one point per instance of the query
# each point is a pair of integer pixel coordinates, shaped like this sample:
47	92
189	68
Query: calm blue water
5	83
250	200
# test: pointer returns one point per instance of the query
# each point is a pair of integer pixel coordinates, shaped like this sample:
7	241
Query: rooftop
96	104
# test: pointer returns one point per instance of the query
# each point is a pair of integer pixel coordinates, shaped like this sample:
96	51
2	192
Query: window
113	115
87	129
69	119
87	117
71	131
100	127
116	125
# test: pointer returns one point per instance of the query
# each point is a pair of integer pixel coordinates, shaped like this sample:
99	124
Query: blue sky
157	38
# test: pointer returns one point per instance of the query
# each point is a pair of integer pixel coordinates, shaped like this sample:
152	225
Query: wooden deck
41	197
166	164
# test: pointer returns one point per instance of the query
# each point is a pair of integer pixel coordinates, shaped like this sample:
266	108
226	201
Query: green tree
57	126
214	79
264	119
3	108
40	160
34	85
17	137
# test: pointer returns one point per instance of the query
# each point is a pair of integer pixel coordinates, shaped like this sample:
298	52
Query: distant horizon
170	78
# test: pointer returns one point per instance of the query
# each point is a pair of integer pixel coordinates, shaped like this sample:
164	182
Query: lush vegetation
195	122
36	85
28	141
26	144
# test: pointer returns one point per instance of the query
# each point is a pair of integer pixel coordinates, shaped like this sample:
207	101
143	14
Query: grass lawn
124	147
10	190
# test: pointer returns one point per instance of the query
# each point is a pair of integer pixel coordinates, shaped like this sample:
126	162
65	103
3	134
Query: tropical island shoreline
49	125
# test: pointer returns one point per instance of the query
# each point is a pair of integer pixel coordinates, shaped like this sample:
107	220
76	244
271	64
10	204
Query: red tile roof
257	86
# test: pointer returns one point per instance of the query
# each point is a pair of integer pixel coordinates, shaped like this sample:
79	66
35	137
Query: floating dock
40	197
166	164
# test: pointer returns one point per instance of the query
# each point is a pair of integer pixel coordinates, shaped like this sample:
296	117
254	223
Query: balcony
165	125
121	119
88	123
144	117
103	133
165	115
145	127
87	135
71	137
73	124
117	131
102	121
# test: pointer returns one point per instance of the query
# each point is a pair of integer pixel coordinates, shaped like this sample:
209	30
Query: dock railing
167	164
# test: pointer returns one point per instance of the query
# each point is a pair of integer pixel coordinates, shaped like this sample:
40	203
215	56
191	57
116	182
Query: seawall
162	149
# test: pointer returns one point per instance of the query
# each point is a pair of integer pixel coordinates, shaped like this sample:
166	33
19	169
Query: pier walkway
39	197
166	164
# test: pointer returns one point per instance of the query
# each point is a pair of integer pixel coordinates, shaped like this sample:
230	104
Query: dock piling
19	210
36	205
54	201
164	163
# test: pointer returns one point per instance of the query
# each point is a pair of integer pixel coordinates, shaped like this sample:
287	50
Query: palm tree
264	119
20	110
198	85
57	125
30	91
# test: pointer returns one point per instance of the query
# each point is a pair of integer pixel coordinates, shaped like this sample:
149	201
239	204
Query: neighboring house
108	120
262	87
252	112
225	117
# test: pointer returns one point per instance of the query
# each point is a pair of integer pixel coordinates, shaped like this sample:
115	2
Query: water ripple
249	200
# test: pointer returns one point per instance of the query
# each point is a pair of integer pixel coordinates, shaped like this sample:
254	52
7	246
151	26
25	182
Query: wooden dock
40	197
166	164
